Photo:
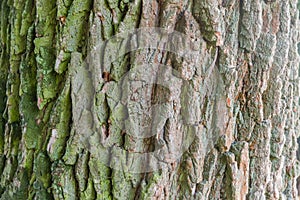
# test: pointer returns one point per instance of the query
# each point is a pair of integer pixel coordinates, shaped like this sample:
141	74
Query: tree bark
95	105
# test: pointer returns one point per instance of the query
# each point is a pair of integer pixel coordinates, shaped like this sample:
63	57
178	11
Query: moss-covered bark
59	99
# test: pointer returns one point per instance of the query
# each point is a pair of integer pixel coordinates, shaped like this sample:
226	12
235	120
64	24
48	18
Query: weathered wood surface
234	101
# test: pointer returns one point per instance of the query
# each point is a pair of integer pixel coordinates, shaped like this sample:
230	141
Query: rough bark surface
239	96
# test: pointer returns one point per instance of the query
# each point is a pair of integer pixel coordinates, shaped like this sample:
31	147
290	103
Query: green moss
62	62
13	111
20	191
63	7
60	119
90	192
74	31
4	65
73	147
47	81
18	41
149	189
27	19
10	167
29	160
2	163
124	184
28	102
44	115
4	24
63	182
73	17
42	171
82	171
131	18
101	175
45	55
17	46
103	13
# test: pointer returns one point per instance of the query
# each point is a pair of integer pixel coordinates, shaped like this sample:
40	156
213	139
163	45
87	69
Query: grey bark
231	107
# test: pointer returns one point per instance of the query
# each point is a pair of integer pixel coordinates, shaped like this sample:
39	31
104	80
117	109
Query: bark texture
239	95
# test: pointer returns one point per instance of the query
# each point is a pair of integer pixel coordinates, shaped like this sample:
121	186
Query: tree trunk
97	103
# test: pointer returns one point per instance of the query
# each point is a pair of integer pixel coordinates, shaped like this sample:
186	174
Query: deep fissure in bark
236	99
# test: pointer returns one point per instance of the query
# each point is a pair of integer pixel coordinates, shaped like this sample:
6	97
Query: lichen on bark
234	99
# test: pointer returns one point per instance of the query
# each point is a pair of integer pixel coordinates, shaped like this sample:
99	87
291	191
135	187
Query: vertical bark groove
235	98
